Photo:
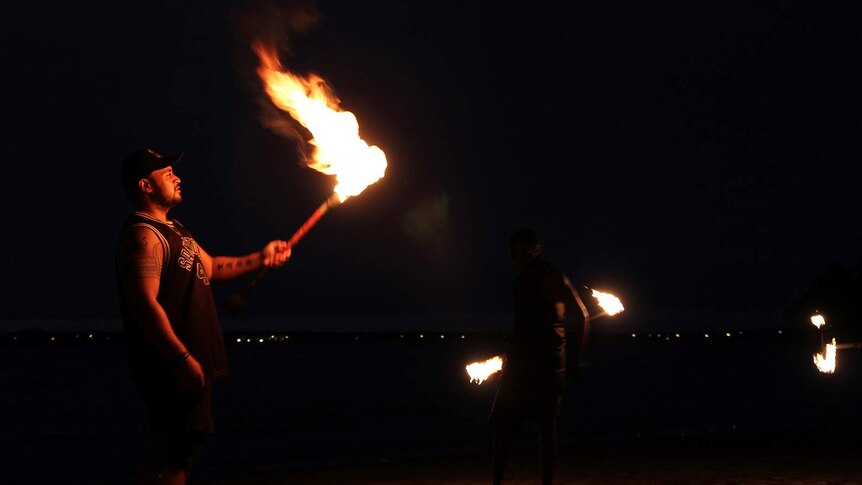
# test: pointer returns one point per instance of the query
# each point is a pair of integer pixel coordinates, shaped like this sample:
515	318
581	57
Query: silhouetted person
534	371
169	315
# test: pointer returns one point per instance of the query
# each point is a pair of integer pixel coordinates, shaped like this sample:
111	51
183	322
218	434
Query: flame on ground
479	372
818	320
338	150
609	303
826	363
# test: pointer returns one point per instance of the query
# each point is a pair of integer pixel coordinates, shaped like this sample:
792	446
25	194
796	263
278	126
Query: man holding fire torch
534	372
170	320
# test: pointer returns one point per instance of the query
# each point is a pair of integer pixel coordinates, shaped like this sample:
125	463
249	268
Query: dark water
69	413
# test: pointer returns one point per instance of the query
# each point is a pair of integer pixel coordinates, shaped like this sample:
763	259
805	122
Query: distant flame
818	320
338	149
826	363
481	371
609	303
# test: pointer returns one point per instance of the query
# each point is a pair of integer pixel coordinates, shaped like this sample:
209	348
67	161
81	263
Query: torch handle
311	221
596	316
299	234
236	302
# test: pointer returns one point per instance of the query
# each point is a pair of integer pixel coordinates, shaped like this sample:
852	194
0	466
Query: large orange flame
338	150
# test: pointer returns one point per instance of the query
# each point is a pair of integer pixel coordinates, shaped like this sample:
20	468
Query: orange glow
479	372
609	303
338	150
825	361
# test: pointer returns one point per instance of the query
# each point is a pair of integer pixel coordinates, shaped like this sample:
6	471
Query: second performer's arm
576	298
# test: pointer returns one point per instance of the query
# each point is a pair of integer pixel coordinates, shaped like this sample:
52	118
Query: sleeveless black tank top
185	295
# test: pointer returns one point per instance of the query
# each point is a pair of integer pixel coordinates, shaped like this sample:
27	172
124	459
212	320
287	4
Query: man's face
522	254
166	187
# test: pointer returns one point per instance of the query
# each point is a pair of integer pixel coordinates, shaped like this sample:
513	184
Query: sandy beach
763	417
804	458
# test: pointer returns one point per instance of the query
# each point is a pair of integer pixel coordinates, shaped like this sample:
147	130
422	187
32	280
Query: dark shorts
180	422
522	396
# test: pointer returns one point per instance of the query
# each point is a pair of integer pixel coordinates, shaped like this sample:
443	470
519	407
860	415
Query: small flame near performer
609	303
825	361
479	372
817	320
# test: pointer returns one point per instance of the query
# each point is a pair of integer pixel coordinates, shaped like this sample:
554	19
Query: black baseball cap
140	163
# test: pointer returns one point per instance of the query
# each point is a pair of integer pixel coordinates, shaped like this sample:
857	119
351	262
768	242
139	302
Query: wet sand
809	458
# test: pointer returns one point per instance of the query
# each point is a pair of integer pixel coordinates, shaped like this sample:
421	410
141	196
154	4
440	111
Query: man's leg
180	423
502	446
548	432
547	422
172	457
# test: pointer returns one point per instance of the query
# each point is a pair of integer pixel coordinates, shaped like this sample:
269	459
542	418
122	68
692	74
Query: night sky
698	159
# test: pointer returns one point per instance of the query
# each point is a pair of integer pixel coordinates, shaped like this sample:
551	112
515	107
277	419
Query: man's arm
140	265
577	300
220	269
